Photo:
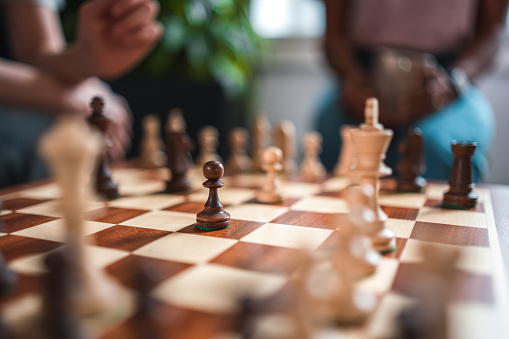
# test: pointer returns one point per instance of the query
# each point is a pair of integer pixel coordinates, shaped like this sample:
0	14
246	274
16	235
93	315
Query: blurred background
222	61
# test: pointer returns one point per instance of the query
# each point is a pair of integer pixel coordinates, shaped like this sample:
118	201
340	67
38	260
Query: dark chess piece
8	278
178	146
411	166
213	217
148	325
104	183
243	321
460	194
59	321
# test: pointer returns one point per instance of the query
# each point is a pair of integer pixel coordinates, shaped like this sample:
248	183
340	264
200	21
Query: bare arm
338	48
479	53
113	36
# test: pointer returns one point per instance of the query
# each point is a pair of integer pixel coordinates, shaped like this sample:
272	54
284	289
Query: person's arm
478	55
113	36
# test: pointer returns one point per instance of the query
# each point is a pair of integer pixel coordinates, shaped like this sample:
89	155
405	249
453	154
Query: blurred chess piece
270	192
208	141
175	121
178	148
104	183
71	149
431	286
347	154
152	155
284	138
259	139
371	141
8	278
411	166
239	161
327	292
311	168
354	248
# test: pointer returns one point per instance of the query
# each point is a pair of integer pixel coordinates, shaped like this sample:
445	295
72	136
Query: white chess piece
152	155
270	191
284	138
175	122
371	141
347	153
71	148
327	294
208	140
311	167
259	139
239	161
354	248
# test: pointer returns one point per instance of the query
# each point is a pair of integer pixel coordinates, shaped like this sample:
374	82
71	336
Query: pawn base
416	185
269	197
461	202
384	241
212	226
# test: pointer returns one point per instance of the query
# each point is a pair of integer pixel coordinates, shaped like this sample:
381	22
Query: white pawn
239	161
208	140
327	293
355	249
175	122
347	153
71	148
270	191
311	167
152	155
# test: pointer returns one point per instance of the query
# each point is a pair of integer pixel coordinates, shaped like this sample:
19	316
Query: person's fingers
121	7
136	20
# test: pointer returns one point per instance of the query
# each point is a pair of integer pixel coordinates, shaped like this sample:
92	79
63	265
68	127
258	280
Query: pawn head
213	170
272	155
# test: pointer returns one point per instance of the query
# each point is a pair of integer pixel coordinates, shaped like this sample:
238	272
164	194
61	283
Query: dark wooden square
187	207
310	219
18	203
126	238
14	246
127	269
400	212
258	257
238	229
14	222
450	234
113	215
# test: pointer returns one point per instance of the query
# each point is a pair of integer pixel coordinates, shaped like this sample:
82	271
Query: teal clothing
20	132
469	118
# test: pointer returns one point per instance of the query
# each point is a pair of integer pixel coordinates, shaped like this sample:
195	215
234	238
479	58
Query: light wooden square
452	217
288	236
402	227
215	288
56	230
162	220
53	208
149	202
321	205
408	200
256	212
187	248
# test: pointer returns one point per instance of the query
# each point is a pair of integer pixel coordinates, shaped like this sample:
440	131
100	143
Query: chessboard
200	274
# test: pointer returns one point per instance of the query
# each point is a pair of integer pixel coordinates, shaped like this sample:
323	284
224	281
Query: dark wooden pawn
8	278
147	323
178	146
213	217
412	165
58	320
461	194
104	184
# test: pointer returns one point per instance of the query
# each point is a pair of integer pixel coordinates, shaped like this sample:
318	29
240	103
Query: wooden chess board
199	274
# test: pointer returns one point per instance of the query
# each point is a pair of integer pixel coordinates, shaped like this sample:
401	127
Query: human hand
432	91
114	35
77	98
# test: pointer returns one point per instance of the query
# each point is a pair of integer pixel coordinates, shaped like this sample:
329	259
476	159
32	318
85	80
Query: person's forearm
338	49
26	87
477	56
